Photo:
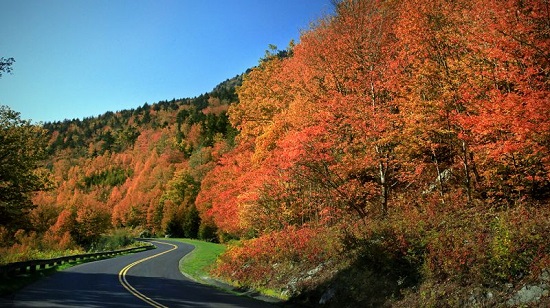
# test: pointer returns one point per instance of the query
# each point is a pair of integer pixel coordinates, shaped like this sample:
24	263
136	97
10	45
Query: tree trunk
467	181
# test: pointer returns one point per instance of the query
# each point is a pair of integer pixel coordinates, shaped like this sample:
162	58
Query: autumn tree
438	63
262	95
92	220
510	125
218	199
342	115
474	93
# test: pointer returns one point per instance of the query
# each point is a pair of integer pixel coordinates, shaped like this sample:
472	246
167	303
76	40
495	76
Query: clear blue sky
81	58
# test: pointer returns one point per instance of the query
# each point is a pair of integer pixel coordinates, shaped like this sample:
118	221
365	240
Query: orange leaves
218	199
412	109
386	96
260	99
418	110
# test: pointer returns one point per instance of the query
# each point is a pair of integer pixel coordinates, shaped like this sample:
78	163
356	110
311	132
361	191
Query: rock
527	294
327	296
545	276
315	270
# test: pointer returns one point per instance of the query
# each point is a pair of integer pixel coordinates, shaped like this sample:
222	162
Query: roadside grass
197	263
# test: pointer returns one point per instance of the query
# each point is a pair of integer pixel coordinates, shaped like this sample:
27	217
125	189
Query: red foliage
276	257
221	189
415	108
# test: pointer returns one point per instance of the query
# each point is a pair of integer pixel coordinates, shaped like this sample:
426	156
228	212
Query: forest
398	154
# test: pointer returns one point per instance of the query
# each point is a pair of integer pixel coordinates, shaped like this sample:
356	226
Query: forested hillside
398	154
139	169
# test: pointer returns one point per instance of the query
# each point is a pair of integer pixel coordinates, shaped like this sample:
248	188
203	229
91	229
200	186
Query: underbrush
25	246
440	255
30	246
20	253
289	261
117	239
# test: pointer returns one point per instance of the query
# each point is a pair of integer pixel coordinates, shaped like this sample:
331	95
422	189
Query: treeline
118	131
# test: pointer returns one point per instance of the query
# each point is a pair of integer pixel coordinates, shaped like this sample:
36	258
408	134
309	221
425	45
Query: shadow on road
69	289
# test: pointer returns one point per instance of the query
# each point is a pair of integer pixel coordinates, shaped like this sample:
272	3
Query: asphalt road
146	279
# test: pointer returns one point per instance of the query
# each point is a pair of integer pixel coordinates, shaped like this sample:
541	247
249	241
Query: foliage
423	123
117	239
405	139
6	65
276	258
112	177
31	246
122	169
21	149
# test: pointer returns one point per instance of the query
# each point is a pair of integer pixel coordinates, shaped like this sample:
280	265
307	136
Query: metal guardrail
12	269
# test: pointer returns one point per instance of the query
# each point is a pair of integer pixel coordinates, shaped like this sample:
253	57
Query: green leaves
21	148
6	65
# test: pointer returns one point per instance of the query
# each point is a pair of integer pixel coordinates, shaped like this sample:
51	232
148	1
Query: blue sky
77	58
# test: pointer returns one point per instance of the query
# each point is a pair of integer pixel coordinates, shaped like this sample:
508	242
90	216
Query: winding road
146	279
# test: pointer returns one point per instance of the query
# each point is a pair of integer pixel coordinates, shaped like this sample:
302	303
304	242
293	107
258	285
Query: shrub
119	238
207	232
277	258
519	243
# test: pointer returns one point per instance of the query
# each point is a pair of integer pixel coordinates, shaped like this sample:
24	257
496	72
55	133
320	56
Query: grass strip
197	263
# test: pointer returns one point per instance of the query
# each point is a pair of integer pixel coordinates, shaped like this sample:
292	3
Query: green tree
5	65
191	222
22	146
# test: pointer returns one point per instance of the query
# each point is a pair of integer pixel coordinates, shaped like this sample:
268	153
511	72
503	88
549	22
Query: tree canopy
22	146
6	65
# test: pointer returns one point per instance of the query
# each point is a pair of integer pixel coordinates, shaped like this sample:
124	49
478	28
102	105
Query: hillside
138	169
398	155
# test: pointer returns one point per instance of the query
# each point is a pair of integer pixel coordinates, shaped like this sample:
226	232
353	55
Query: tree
6	65
338	88
510	126
22	146
261	96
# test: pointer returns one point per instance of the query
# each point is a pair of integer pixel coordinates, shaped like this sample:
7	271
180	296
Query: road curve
146	279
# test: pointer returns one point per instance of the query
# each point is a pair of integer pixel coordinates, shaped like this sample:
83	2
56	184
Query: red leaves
417	110
383	97
219	198
277	257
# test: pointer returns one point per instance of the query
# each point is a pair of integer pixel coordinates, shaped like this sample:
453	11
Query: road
146	279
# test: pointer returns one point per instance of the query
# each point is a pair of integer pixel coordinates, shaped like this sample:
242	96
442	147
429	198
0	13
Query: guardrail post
32	266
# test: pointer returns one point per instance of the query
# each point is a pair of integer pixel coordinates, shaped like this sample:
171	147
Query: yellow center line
130	288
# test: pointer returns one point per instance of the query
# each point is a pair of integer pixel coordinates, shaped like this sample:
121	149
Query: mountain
138	168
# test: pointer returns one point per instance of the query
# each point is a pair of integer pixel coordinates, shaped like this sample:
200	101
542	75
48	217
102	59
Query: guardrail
12	269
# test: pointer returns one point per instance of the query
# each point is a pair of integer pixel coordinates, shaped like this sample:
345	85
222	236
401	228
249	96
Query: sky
82	58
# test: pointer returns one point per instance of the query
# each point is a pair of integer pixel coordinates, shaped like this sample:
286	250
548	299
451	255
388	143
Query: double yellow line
128	286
